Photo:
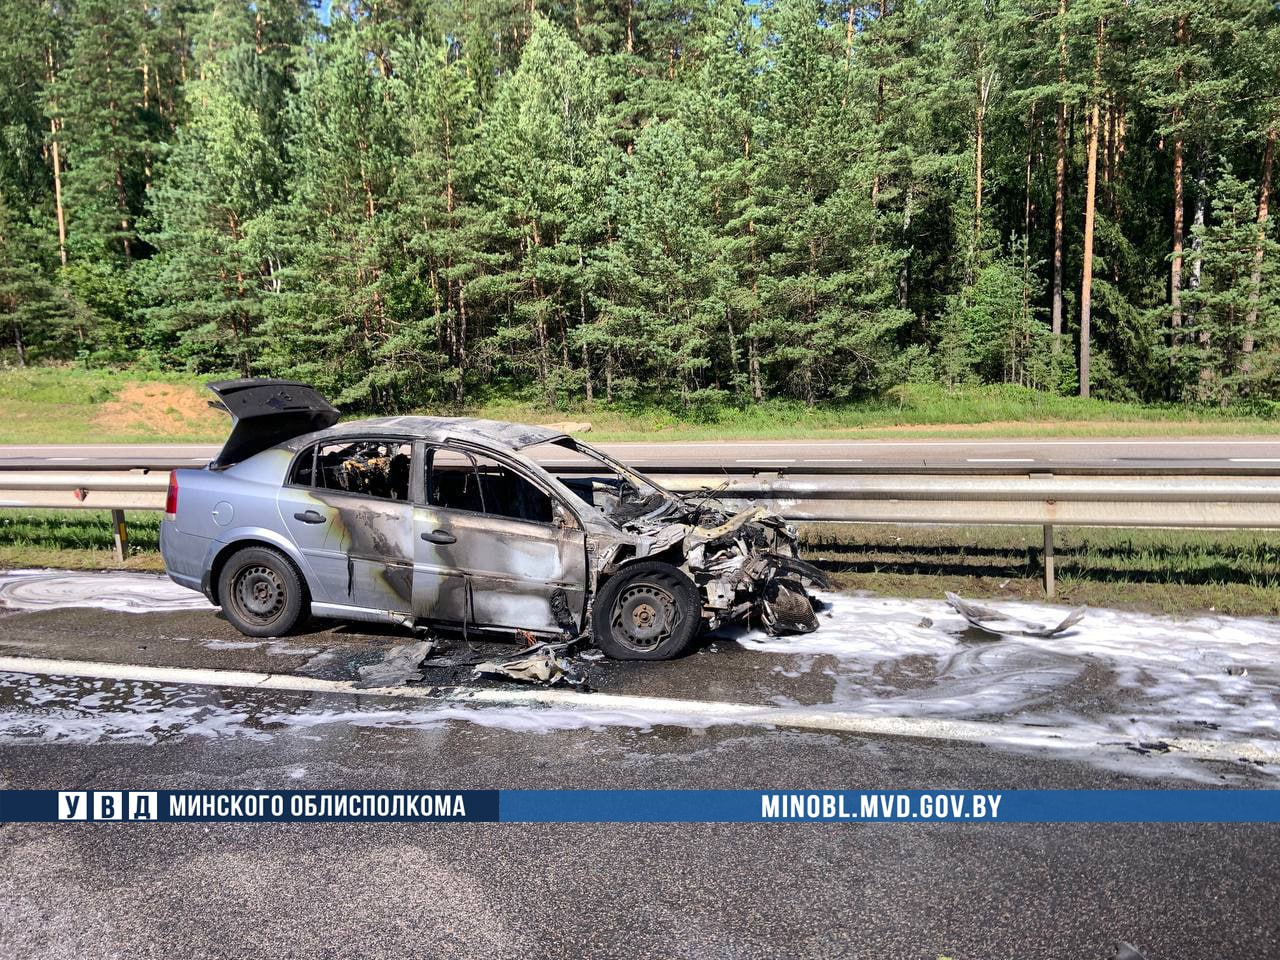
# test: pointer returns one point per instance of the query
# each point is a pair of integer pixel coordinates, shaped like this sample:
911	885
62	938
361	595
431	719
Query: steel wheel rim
259	593
644	616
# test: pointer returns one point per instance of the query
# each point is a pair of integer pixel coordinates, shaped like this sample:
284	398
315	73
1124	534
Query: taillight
171	498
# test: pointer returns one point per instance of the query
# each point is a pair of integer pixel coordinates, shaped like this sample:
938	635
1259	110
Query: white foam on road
1118	677
118	590
60	715
1117	673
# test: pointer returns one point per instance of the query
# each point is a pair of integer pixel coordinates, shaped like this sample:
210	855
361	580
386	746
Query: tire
261	592
649	611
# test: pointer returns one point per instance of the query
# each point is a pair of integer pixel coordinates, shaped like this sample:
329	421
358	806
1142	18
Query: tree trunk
54	126
582	319
460	387
1026	203
18	346
1060	187
977	169
904	271
123	202
985	83
1090	199
1175	270
753	370
1203	337
1255	281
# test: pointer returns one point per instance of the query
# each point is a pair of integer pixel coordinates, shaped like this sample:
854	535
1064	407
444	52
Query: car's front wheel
261	591
649	611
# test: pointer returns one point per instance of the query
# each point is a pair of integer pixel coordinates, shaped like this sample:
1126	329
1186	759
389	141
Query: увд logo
107	805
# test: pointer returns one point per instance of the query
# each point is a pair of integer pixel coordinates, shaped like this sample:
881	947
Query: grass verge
74	405
1162	571
77	540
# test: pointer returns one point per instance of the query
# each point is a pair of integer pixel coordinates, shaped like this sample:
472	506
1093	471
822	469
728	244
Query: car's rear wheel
649	611
261	591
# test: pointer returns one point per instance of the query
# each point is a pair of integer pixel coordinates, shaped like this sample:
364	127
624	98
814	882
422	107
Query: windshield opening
598	480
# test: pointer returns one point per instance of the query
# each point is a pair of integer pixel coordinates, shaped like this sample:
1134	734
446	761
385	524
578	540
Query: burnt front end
748	568
746	565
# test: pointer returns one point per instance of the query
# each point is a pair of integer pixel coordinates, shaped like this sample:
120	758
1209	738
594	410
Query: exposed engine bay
745	565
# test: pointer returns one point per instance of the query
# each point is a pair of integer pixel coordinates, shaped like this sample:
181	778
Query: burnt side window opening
371	468
473	482
304	468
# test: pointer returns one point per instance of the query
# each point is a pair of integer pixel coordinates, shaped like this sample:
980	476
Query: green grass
908	411
74	405
77	540
1164	571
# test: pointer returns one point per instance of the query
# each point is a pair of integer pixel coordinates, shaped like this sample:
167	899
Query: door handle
439	536
310	516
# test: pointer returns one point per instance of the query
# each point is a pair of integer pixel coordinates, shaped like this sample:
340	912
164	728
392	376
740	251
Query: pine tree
206	280
37	315
542	156
332	312
1229	309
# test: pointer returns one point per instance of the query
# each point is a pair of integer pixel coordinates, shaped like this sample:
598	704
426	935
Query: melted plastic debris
401	664
787	609
540	664
993	621
118	590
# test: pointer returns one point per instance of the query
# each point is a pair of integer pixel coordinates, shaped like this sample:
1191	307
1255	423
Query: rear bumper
184	556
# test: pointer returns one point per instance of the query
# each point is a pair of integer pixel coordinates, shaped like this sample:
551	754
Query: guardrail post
1048	560
121	534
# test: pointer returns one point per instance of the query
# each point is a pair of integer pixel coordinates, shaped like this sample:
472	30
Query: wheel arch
222	552
671	556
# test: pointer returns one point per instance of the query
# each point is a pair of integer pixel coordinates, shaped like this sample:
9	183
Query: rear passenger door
359	497
495	549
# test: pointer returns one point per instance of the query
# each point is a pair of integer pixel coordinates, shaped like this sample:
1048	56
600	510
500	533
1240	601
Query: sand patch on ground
165	409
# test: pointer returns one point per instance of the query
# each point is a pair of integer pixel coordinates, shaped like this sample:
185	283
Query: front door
493	550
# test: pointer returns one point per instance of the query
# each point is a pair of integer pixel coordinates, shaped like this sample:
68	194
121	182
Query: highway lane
849	891
797	455
681	890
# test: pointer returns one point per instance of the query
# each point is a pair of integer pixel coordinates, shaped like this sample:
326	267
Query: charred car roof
284	413
513	436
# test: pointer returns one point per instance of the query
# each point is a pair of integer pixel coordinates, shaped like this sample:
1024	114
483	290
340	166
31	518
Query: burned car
462	524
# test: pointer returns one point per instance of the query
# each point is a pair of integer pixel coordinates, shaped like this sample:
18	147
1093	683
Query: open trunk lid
265	413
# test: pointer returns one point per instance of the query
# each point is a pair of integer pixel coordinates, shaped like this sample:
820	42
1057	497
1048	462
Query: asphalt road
883	891
801	454
1020	892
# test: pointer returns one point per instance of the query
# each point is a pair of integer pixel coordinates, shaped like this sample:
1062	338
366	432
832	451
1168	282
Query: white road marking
836	460
803	718
67	459
1000	460
1255	459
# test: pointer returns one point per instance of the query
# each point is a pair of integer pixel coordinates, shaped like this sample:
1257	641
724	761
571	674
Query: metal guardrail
1036	498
